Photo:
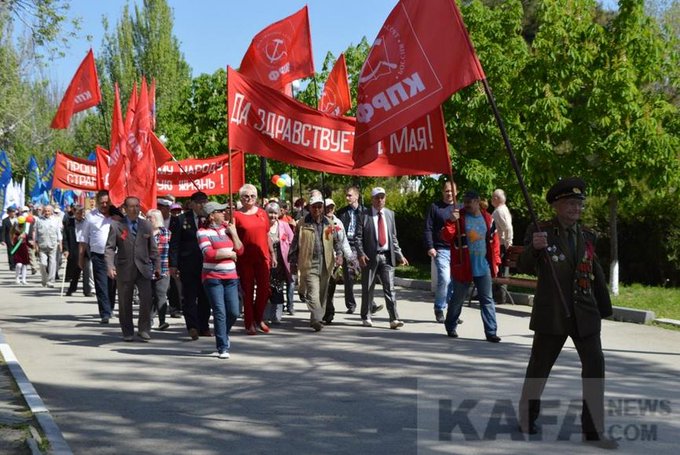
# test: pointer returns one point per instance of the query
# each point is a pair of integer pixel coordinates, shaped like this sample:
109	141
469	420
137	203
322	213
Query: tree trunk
614	245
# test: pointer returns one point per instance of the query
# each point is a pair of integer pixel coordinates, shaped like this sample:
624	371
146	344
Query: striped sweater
211	239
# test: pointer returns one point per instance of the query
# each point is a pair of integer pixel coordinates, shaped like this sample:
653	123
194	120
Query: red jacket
461	270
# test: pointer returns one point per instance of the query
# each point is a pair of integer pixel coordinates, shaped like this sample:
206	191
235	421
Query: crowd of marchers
206	258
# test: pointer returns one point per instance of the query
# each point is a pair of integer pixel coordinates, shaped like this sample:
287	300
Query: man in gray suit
132	260
378	250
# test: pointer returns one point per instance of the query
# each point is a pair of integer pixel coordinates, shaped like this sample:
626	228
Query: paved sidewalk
347	389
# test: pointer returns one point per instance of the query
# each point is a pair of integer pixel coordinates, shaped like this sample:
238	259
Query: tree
143	45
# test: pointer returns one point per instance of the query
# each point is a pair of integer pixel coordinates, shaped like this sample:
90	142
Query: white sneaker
396	324
223	355
367	323
18	281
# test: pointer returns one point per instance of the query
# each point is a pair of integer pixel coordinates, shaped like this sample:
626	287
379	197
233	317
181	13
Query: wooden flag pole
231	192
455	207
525	192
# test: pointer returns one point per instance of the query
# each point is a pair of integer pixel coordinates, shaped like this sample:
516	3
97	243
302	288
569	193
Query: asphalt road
346	389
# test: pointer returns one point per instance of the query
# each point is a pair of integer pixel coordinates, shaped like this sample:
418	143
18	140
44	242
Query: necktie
572	243
133	228
382	239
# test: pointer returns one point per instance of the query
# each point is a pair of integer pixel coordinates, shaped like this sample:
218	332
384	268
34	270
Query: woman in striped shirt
220	246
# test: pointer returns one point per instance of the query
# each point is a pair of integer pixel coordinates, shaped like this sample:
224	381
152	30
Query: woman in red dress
252	225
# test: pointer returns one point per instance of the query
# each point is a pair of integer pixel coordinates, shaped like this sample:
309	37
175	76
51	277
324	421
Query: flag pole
231	192
181	168
525	192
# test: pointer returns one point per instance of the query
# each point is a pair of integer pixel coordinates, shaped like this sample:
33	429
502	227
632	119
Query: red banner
421	56
281	53
335	98
265	122
73	173
82	93
210	175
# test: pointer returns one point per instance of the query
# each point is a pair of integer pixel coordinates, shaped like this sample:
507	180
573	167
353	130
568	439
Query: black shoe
104	321
351	310
68	294
328	321
439	316
452	334
532	429
600	441
89	294
163	326
459	322
493	338
377	308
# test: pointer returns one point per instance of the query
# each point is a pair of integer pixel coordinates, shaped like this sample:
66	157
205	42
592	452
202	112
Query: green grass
413	271
664	302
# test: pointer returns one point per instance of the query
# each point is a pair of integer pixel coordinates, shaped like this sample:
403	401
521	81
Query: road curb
57	443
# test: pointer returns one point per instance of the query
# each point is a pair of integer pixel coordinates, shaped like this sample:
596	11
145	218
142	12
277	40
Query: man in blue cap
577	313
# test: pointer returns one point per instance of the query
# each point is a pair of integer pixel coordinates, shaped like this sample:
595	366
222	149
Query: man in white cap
163	204
378	251
315	250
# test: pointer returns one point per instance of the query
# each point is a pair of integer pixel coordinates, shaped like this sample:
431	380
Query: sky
216	33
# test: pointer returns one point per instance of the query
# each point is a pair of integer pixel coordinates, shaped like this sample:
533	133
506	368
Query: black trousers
195	304
544	353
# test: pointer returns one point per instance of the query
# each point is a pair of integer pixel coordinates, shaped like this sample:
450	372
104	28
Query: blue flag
5	169
48	174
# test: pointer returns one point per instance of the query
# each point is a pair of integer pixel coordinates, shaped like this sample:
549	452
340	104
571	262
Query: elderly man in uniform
577	313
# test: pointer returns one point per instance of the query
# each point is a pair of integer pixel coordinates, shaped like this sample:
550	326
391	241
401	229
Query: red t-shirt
253	231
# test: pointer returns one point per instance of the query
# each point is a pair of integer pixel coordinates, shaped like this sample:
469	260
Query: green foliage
143	45
665	303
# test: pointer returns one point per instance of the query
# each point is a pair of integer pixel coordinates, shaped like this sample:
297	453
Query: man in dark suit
186	261
378	251
132	260
7	224
351	216
577	313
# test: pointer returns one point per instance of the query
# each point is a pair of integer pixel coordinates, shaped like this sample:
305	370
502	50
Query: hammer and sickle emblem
276	50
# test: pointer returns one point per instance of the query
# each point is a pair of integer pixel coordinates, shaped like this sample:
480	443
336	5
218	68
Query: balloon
21	219
285	176
280	183
292	182
29	219
275	179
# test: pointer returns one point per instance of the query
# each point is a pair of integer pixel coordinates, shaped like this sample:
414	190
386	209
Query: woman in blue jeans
220	246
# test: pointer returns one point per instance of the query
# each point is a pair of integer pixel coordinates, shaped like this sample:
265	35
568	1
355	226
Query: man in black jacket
576	313
186	261
351	216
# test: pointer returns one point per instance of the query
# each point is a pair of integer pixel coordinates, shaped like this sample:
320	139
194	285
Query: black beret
199	196
569	188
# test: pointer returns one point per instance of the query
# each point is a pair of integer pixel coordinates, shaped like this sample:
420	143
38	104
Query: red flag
265	122
102	163
142	181
152	103
73	173
335	99
160	153
118	160
82	93
131	107
420	57
281	53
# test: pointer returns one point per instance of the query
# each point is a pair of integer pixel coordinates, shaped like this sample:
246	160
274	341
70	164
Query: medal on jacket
552	251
